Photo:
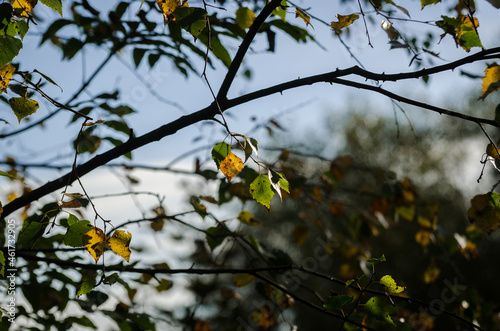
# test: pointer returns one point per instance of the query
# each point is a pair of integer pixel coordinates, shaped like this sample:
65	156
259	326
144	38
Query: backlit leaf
220	152
94	242
23	8
120	242
231	166
491	80
302	14
6	174
343	21
23	107
6	73
390	284
2	260
485	211
337	302
377	308
261	190
167	7
431	274
244	17
193	20
423	237
463	31
241	280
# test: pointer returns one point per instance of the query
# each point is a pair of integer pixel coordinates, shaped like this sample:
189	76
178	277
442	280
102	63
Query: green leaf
48	79
88	284
75	232
191	19
30	232
244	17
6	174
261	190
220	152
83	320
216	235
376	308
72	219
9	48
2	264
429	2
23	107
390	284
337	302
374	261
54	4
463	31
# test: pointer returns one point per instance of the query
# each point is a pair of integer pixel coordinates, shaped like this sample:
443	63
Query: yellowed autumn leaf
492	151
431	274
423	237
94	242
241	280
491	80
302	14
6	73
120	243
23	8
343	22
167	7
69	204
231	166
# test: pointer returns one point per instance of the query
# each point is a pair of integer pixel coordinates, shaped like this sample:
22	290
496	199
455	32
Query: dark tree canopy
158	168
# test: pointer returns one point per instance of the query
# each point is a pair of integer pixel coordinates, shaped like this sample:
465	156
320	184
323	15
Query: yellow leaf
343	21
94	242
247	218
120	242
241	280
69	204
23	107
167	7
6	73
492	151
491	80
302	14
23	8
431	274
231	166
423	237
264	317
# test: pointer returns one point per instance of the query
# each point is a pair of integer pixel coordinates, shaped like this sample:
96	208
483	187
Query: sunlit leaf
6	73
390	284
377	308
261	190
343	22
491	80
23	8
374	261
120	242
94	242
423	237
23	107
244	17
167	7
241	280
220	152
231	166
463	31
